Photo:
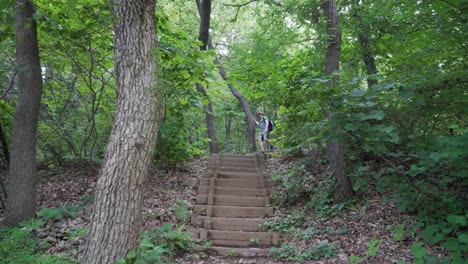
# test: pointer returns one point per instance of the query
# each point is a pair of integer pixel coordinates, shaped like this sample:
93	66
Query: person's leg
260	141
272	148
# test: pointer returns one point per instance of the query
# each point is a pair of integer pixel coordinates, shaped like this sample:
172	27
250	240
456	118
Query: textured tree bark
21	179
117	217
204	9
335	148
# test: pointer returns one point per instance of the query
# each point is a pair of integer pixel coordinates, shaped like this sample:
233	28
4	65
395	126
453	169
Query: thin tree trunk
21	179
206	39
245	105
117	216
4	146
209	118
368	58
335	148
228	125
10	86
204	9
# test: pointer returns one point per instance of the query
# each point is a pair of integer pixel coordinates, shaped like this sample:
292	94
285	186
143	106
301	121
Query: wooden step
232	164
234	200
236	183
203	190
230	156
232	211
228	224
236	160
238	169
240	175
237	238
241	252
235	174
231	203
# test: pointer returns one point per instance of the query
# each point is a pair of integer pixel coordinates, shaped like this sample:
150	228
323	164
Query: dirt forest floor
369	220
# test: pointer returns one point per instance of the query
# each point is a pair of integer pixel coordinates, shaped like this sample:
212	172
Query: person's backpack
271	125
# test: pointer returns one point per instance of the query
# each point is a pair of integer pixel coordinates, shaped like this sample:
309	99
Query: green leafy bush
160	246
181	211
285	223
316	252
68	210
18	245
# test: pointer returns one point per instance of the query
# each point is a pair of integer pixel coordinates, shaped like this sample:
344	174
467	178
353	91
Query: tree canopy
399	96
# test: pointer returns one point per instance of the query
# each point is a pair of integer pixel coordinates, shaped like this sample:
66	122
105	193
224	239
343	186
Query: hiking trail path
231	204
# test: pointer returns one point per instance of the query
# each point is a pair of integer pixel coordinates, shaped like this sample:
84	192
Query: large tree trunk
21	179
117	216
335	147
204	10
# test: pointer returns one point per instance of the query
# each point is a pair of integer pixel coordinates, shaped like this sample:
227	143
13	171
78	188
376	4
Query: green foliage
68	210
316	252
306	234
286	251
181	211
160	246
355	259
75	41
398	232
293	185
79	232
285	223
18	245
372	247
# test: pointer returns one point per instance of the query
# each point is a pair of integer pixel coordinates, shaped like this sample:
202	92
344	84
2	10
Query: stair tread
230	208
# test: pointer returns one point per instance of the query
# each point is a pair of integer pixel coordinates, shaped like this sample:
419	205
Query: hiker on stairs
263	124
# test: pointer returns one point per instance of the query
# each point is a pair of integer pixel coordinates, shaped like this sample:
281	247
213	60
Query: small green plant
343	230
206	244
49	214
181	211
322	250
203	211
286	251
372	247
160	246
355	259
290	252
232	253
419	252
398	232
78	232
285	224
69	210
306	234
18	245
255	241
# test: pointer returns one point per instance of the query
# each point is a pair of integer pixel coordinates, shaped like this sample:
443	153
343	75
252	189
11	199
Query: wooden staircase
232	200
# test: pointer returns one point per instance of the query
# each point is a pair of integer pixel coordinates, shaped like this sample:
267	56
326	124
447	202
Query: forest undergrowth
369	229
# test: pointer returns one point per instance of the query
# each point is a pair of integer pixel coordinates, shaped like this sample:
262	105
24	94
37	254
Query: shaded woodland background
396	101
